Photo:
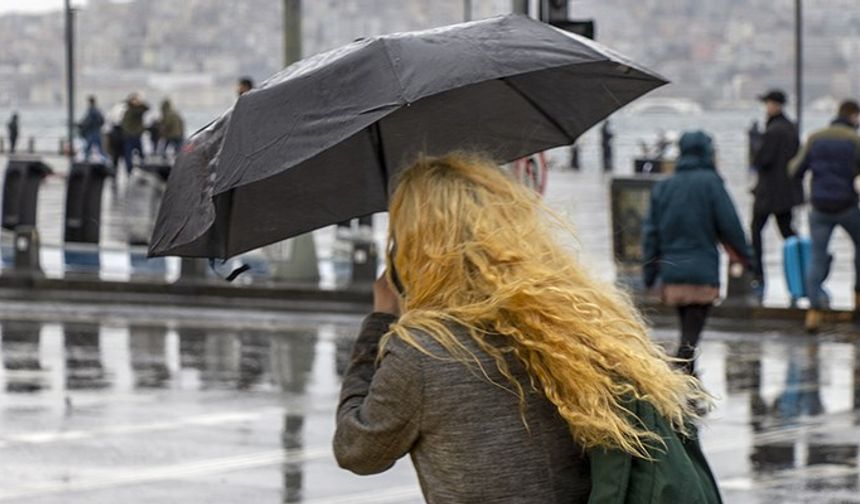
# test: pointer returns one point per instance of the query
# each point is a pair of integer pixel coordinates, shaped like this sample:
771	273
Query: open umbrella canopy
323	140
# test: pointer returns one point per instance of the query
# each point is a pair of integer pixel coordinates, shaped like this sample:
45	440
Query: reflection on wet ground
170	412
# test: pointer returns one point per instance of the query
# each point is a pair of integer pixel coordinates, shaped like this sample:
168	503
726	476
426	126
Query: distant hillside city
717	54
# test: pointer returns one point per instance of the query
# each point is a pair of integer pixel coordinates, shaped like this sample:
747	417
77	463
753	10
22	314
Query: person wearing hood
691	213
171	128
775	193
832	155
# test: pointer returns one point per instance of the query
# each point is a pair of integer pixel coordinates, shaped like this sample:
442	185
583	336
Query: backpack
679	472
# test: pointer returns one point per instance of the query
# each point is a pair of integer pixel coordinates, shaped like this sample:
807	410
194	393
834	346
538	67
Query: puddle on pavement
796	399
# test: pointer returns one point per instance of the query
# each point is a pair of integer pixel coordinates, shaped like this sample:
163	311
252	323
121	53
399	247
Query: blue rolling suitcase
797	254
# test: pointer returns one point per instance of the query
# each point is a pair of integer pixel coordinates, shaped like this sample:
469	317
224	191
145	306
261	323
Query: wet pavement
214	406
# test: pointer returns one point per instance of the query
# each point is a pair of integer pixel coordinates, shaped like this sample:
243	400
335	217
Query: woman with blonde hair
497	361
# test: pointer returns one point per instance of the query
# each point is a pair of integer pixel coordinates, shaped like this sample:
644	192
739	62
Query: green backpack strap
678	473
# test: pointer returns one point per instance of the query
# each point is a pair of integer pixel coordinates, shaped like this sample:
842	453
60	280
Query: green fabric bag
679	474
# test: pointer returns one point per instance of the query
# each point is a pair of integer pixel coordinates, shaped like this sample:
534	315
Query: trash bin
143	198
20	198
83	216
630	200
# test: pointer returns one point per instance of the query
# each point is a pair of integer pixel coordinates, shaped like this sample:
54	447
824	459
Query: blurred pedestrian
691	213
154	132
493	357
775	192
832	155
132	129
574	157
606	136
172	129
116	143
90	128
12	127
244	85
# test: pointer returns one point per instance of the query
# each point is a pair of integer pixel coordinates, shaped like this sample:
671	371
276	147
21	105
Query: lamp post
292	31
798	60
521	6
70	79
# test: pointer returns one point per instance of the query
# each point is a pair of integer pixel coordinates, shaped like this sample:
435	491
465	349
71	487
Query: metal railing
44	146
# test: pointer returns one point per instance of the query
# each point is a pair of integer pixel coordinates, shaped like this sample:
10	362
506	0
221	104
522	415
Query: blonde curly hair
476	249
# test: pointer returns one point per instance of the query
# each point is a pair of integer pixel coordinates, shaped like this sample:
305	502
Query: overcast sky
7	6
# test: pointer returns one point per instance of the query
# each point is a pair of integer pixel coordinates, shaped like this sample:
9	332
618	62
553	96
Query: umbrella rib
376	138
537	107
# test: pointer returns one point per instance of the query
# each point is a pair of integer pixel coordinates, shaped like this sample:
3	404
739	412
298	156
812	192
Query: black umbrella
321	141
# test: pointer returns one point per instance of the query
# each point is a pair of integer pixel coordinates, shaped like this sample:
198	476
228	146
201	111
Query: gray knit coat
465	434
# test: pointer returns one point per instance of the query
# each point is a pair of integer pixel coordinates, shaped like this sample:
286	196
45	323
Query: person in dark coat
832	155
12	127
132	129
691	213
775	193
606	136
90	129
171	129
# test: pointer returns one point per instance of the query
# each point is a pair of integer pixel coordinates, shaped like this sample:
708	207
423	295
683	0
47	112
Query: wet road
223	407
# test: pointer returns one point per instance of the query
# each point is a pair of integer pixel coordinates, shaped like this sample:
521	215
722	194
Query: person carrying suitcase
832	155
775	192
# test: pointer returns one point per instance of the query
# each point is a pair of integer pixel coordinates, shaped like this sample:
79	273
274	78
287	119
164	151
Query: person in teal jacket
691	214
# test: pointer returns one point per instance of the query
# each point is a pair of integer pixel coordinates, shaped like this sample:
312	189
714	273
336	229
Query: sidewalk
583	197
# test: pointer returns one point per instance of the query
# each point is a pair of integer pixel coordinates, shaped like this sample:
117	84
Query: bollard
364	255
84	202
83	217
294	260
143	197
355	257
364	263
26	252
20	191
739	288
193	270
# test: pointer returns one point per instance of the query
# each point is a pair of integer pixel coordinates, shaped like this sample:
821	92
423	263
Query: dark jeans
693	318
93	140
783	220
131	144
821	226
170	143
